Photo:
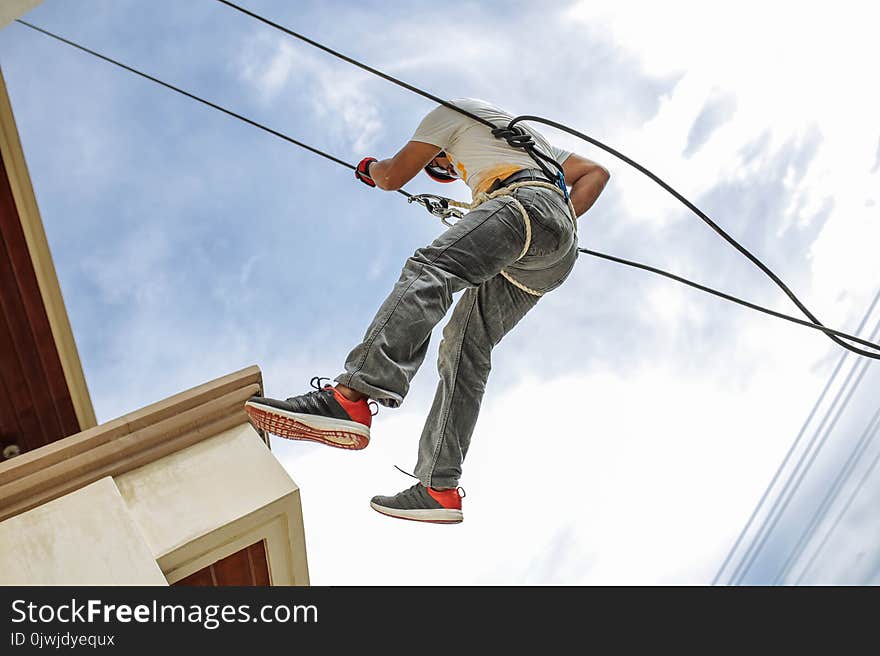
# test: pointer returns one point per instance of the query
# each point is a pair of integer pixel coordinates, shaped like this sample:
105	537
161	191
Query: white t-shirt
478	157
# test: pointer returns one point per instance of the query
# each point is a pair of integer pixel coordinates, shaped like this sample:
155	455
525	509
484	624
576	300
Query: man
482	255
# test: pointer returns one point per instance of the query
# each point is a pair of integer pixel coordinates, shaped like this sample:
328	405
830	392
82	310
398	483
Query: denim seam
403	291
442	438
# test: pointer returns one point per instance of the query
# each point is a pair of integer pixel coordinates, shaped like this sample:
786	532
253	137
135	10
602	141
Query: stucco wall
87	537
209	500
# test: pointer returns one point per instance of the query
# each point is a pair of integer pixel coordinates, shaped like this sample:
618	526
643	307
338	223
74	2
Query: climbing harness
507	192
445	208
516	136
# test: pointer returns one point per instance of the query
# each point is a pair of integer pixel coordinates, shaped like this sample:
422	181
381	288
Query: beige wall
87	537
12	9
211	499
161	522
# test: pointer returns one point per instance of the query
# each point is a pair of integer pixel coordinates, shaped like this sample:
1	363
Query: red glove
363	171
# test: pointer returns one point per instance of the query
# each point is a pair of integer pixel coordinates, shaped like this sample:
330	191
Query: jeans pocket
552	232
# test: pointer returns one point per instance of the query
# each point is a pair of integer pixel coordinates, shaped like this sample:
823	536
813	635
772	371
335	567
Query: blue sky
630	425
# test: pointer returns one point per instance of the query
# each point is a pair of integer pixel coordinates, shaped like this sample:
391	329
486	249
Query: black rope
193	96
728	297
518	139
510	133
693	208
355	62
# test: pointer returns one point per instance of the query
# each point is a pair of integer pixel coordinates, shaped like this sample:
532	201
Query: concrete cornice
126	443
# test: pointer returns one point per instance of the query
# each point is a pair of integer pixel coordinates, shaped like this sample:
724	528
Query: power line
855	493
830	497
796	477
806	460
791	450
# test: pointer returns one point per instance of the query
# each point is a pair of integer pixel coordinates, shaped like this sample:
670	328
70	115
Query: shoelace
320	387
316	382
403	471
461	493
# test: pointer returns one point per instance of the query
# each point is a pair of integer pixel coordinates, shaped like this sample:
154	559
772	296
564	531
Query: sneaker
323	415
422	504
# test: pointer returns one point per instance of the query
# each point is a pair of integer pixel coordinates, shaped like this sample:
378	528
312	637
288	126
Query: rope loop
515	136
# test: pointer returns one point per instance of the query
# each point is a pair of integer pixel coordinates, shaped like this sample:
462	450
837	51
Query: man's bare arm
391	174
586	179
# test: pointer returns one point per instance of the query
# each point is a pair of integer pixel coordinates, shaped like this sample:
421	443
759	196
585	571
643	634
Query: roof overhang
126	443
183	491
12	9
46	396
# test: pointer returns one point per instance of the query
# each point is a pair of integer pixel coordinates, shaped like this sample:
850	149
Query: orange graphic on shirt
496	173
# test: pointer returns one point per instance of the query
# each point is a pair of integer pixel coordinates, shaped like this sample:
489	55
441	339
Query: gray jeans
468	256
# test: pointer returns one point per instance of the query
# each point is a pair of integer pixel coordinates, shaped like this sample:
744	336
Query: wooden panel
37	408
36	318
259	563
234	569
246	567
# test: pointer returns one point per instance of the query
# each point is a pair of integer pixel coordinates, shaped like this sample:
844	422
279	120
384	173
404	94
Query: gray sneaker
422	504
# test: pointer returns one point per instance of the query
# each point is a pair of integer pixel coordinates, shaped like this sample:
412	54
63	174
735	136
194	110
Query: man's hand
362	172
391	174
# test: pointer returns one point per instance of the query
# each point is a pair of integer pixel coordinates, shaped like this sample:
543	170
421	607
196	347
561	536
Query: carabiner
438	206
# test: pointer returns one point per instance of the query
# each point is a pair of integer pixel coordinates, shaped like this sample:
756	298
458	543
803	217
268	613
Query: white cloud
279	69
799	68
659	435
647	476
628	480
266	70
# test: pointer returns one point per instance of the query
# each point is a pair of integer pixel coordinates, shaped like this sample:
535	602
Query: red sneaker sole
291	429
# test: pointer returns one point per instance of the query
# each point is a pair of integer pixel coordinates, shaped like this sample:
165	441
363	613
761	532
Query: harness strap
483	197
